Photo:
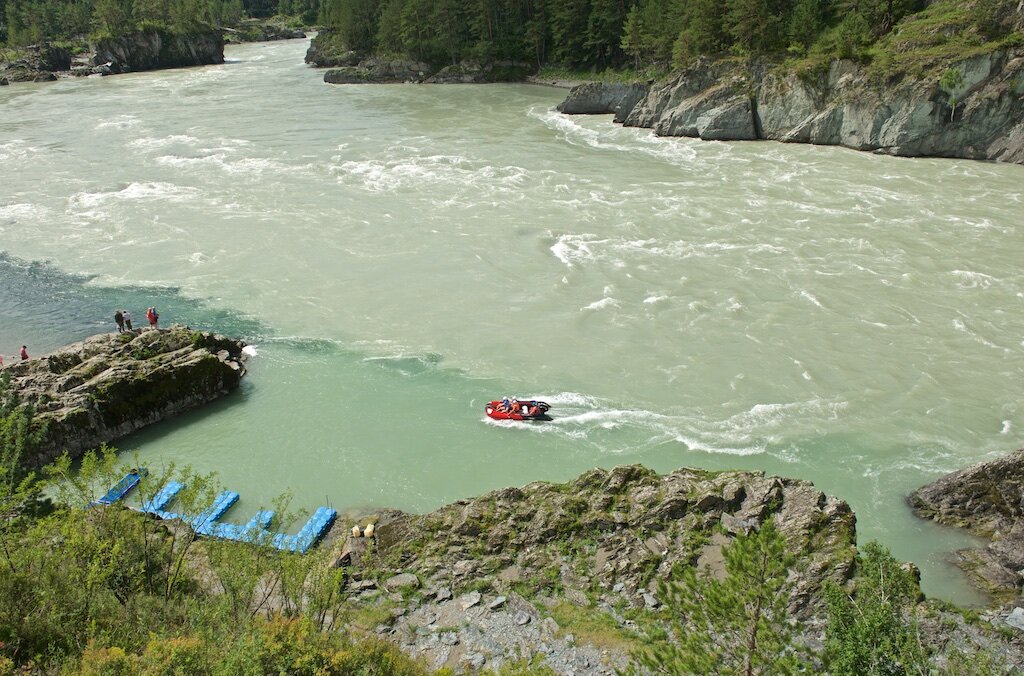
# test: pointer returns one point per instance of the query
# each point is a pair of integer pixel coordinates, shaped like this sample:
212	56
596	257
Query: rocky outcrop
111	385
379	71
154	49
255	30
722	100
596	98
36	63
988	500
483	571
472	72
328	50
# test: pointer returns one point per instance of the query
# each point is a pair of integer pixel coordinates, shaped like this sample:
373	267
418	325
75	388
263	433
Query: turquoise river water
399	255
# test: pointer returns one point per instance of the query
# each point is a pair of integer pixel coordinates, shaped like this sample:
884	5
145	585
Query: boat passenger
505	406
516	406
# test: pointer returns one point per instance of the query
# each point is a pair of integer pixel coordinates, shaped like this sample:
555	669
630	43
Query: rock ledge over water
111	385
988	500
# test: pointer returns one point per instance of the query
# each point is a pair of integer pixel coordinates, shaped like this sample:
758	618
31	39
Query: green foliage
875	629
738	624
107	590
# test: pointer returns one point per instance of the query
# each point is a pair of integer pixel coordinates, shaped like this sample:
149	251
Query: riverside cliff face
111	385
153	49
720	100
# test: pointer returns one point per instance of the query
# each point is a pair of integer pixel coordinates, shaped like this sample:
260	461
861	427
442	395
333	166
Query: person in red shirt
24	352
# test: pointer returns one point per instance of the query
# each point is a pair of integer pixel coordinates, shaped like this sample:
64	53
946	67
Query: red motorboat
514	409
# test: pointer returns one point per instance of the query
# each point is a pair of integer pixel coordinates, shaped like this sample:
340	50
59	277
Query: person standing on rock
152	316
119	318
24	352
127	320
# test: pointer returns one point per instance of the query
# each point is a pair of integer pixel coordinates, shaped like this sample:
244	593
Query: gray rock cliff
721	100
111	385
485	569
153	49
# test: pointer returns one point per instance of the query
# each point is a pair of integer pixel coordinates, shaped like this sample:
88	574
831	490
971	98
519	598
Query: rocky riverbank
565	576
987	499
111	385
155	49
346	66
150	49
724	100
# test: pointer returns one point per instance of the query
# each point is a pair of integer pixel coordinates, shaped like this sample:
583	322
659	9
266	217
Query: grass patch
369	616
924	44
593	626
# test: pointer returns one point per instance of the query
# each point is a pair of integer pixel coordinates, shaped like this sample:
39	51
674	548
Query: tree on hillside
113	16
604	30
756	26
874	629
567	21
737	625
805	23
702	31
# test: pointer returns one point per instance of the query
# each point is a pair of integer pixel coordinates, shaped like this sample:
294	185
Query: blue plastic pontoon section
207	521
121	488
254	531
309	534
163	498
204	522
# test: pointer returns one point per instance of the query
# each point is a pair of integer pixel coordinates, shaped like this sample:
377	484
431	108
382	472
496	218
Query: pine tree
736	625
874	630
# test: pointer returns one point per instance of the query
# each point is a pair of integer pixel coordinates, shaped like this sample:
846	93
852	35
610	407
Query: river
401	254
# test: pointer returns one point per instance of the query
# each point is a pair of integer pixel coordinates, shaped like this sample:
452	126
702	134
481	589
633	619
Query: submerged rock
111	385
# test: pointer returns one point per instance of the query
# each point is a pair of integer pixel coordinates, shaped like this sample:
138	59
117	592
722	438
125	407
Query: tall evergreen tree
736	625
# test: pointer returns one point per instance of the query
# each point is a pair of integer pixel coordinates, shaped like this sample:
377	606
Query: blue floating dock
309	534
121	488
208	523
163	497
203	523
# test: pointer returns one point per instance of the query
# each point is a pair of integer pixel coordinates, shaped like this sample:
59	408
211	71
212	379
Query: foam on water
134	192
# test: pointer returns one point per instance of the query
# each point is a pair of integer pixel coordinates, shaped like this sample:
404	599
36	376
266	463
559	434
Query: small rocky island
111	385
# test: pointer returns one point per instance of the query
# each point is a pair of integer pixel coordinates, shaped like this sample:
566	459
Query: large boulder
599	98
111	385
